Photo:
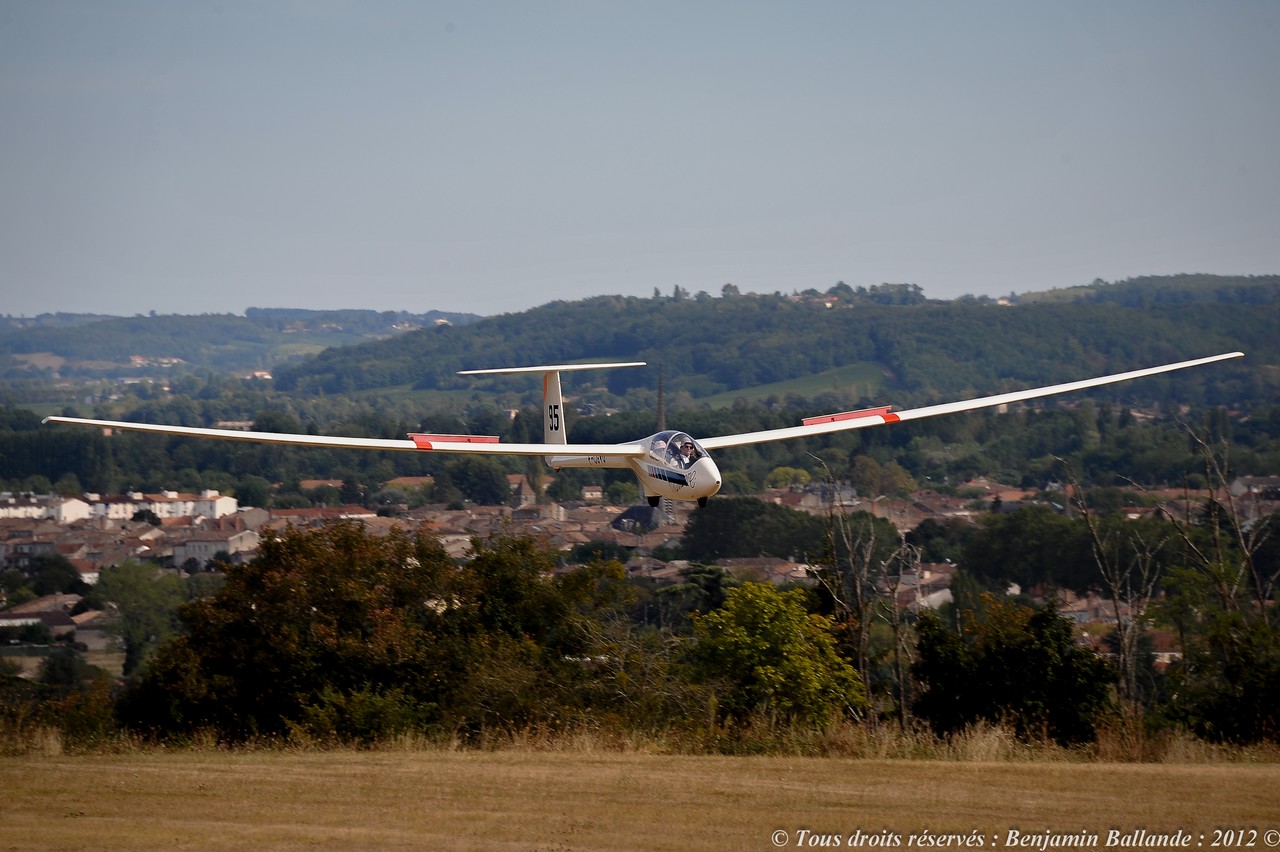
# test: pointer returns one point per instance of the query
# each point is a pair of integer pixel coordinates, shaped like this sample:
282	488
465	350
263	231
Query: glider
668	464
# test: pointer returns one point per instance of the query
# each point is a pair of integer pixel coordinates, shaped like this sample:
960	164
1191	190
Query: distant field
300	349
856	380
601	800
41	360
43	409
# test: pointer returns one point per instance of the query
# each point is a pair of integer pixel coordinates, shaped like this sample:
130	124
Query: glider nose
708	477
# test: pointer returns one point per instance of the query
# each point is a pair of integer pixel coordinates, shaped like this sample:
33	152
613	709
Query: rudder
553	425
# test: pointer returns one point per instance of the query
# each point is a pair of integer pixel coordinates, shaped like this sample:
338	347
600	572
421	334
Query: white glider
669	464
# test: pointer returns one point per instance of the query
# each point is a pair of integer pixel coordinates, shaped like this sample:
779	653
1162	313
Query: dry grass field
523	799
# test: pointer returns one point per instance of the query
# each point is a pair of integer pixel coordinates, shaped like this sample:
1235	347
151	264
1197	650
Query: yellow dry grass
522	799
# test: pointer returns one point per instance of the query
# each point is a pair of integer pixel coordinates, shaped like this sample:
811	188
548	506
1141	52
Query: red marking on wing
883	411
423	440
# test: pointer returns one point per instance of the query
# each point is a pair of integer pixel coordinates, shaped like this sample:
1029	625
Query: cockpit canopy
674	449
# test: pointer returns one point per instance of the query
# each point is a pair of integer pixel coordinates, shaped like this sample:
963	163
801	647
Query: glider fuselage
673	465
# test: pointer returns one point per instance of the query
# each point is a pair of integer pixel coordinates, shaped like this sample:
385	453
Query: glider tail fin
554	428
553	425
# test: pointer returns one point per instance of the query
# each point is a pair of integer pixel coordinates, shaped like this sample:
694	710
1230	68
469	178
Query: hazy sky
193	157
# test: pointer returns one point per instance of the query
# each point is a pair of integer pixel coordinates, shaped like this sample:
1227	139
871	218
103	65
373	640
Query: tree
480	480
14	587
786	477
895	480
622	493
147	516
866	476
146	605
860	553
737	483
1016	666
338	633
589	551
773	657
276	421
68	485
55	575
335	618
746	526
1221	599
940	540
64	672
253	490
702	588
1032	546
1228	682
1128	558
351	492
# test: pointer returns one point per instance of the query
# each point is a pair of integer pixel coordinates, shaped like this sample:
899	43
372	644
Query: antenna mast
662	401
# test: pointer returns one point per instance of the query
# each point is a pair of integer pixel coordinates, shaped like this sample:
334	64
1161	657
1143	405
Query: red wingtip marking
424	441
850	415
890	417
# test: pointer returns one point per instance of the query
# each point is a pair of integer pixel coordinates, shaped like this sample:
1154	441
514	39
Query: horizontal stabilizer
554	368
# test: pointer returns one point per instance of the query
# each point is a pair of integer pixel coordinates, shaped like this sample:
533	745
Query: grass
584	794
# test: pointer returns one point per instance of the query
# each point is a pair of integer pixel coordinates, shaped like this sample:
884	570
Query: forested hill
919	350
263	337
1170	290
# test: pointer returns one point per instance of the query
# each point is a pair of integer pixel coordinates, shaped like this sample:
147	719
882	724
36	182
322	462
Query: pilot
688	453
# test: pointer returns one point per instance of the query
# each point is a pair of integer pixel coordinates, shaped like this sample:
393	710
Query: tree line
339	635
1107	445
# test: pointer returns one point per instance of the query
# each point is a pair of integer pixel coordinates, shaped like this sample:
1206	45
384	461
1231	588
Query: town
203	533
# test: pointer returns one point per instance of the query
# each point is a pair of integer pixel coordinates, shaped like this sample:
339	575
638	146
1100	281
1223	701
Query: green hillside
68	345
845	347
856	381
1168	290
754	346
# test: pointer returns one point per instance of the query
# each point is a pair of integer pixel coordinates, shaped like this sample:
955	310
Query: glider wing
415	442
880	416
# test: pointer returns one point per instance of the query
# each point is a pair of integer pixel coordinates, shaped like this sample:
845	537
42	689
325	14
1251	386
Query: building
166	504
204	546
51	507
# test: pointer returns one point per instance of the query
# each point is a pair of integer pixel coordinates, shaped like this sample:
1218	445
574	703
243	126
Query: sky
489	157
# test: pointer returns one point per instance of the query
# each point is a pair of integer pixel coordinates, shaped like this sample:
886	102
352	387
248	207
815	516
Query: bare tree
1131	571
858	577
1228	524
1224	552
851	579
905	560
